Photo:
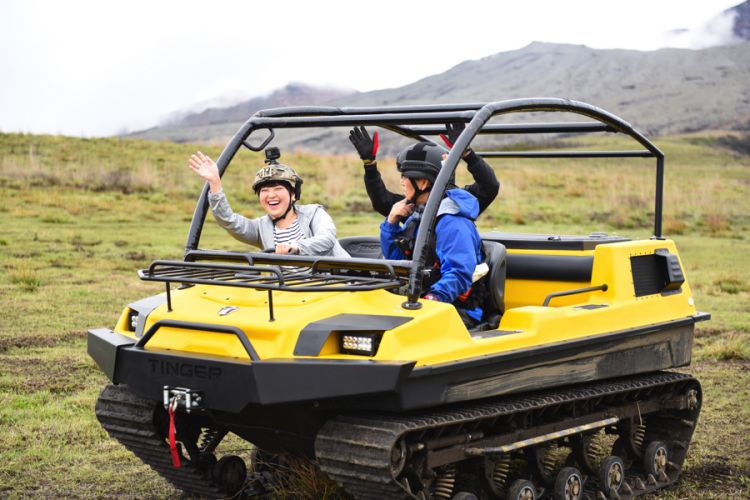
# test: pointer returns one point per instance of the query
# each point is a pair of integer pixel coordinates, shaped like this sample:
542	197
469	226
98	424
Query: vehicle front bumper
230	384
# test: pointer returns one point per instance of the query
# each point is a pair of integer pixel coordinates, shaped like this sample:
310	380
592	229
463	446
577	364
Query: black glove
366	147
453	130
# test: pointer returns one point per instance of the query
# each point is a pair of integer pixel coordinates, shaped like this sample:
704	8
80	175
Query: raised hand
206	170
203	166
453	130
366	147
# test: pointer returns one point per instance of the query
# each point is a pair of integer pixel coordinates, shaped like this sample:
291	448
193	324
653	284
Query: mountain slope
660	92
741	25
210	124
663	91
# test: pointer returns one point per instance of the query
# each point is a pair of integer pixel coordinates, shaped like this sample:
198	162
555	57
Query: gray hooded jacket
316	225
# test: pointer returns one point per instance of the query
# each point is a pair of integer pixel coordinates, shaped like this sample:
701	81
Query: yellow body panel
435	334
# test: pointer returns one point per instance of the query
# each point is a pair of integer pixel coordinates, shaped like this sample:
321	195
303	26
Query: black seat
494	305
367	247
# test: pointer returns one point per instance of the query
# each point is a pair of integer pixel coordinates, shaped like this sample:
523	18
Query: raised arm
381	199
240	227
485	186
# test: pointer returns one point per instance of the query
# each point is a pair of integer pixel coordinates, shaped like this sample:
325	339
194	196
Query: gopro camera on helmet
272	154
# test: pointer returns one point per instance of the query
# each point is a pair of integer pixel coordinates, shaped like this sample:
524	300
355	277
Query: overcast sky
99	67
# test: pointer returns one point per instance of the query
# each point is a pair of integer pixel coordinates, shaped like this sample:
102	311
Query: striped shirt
289	235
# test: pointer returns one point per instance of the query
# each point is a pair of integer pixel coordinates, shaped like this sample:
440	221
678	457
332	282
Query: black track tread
355	450
129	419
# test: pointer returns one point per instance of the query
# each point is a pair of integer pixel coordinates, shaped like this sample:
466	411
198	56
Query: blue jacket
457	245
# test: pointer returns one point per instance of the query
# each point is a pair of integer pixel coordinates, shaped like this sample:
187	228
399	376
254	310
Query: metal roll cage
420	121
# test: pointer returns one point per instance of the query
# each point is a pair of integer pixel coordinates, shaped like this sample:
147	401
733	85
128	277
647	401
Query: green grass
79	216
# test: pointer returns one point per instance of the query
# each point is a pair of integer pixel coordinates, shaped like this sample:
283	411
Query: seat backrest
367	247
495	254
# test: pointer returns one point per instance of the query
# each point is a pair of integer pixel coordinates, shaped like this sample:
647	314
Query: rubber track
356	450
130	420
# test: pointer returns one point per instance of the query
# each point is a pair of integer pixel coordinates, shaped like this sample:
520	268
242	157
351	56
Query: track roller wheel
521	489
230	473
568	484
611	476
655	458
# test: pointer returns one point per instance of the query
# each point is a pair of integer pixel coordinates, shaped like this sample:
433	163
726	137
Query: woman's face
409	191
275	199
407	187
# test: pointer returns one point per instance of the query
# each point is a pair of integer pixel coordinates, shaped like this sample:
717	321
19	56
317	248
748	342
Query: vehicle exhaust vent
659	272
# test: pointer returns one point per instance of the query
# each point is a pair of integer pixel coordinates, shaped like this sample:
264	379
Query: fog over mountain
727	27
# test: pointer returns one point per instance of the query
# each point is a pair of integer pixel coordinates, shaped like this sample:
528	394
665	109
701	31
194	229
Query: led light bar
132	322
364	344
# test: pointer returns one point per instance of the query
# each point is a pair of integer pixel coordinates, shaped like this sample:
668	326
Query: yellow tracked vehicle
561	392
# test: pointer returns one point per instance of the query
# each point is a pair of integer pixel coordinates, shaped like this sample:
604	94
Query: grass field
79	216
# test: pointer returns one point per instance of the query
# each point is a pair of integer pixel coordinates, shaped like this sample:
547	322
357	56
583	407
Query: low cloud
719	30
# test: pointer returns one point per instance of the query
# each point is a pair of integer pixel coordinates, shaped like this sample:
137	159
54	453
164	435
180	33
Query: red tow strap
446	140
172	442
465	296
375	144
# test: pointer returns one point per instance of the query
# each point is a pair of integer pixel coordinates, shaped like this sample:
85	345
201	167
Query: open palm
204	167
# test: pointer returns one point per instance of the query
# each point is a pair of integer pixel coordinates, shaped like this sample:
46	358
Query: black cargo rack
287	273
269	277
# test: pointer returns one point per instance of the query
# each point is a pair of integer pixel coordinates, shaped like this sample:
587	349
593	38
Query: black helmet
422	160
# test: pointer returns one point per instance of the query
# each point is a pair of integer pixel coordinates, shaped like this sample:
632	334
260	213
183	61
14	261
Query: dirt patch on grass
711	479
24	374
135	255
715	473
7	343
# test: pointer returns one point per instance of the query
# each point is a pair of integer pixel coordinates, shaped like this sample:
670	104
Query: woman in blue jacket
456	250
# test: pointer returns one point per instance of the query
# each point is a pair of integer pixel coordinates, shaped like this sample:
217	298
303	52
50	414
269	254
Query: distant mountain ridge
193	126
293	94
660	92
741	26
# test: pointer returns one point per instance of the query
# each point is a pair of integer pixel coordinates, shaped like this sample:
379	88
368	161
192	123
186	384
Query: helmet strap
283	216
417	191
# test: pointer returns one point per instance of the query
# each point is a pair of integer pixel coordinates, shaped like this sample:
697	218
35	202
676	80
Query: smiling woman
286	228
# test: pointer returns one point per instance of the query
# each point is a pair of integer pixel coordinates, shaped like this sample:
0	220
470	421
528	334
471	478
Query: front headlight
132	322
363	344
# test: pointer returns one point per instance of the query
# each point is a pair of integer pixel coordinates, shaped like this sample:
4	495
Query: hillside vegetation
79	216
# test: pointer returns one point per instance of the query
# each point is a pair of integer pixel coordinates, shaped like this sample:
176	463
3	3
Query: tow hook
181	397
